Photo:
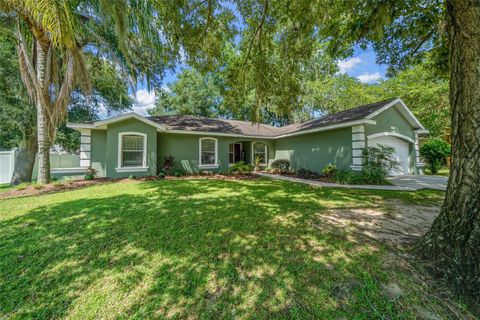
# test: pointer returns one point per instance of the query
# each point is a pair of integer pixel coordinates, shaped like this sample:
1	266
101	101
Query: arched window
208	149
132	150
260	150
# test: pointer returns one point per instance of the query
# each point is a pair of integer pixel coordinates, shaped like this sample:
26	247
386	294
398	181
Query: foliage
307	174
329	170
132	177
256	162
167	164
17	113
280	166
435	151
178	173
161	175
380	160
191	94
91	173
241	167
345	177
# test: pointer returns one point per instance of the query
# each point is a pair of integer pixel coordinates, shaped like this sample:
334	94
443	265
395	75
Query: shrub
241	167
435	152
345	177
280	166
329	170
91	173
371	175
167	164
307	174
380	158
161	175
178	173
132	176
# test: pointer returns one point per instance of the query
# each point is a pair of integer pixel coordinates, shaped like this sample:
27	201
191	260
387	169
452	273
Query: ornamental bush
329	170
281	166
435	152
307	174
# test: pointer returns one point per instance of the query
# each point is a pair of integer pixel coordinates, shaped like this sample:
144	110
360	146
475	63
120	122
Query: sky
362	65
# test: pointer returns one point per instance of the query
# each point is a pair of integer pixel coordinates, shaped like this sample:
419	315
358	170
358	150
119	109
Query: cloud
348	64
369	77
144	100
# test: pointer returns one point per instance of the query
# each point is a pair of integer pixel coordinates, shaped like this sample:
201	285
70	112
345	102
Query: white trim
119	154
69	170
422	131
358	144
85	163
86	132
358	161
356	168
392	134
326	128
132	169
85	147
266	153
358	129
208	165
85	155
85	139
357	153
405	111
102	125
360	136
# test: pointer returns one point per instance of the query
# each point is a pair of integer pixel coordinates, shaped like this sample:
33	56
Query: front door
237	152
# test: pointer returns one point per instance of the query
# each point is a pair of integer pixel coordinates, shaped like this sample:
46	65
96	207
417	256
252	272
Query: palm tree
144	38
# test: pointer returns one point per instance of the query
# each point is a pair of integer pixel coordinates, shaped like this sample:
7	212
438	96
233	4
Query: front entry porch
247	151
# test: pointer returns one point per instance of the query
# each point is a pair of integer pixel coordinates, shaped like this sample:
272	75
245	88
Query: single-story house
132	144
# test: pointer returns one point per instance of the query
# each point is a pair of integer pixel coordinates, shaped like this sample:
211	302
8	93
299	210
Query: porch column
358	145
418	161
85	147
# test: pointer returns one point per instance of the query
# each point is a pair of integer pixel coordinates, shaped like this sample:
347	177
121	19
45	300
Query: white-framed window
259	149
132	151
208	152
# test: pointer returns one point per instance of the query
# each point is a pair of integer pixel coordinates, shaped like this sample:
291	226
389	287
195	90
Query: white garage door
401	154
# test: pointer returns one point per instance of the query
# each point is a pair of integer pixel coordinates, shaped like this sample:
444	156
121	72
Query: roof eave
327	128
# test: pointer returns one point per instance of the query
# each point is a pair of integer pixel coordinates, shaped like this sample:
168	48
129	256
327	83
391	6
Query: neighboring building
132	144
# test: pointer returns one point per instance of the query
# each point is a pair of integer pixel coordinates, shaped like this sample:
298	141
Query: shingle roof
216	125
357	113
244	128
204	124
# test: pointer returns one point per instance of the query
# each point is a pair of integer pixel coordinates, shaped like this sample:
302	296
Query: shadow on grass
188	248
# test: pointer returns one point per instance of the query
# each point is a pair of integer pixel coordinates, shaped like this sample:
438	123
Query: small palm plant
258	160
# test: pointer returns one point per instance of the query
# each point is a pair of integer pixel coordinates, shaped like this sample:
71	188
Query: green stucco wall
98	152
390	120
130	125
185	149
315	150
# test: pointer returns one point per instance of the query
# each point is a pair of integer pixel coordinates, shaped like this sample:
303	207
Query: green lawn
206	249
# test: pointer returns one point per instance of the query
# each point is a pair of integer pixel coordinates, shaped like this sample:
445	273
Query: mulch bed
36	189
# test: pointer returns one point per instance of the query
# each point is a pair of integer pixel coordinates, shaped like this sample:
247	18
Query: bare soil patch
37	189
394	223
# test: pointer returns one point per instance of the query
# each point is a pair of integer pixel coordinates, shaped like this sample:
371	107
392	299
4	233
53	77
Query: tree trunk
25	160
42	122
453	242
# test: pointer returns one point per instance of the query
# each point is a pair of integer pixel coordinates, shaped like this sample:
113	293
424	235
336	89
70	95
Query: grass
205	249
444	172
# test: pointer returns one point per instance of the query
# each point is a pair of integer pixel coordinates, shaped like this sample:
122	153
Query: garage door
401	154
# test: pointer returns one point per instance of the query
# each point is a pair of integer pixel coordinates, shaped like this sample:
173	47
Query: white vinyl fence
7	162
60	164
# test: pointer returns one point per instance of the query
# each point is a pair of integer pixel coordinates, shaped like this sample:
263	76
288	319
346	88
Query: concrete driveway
416	182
